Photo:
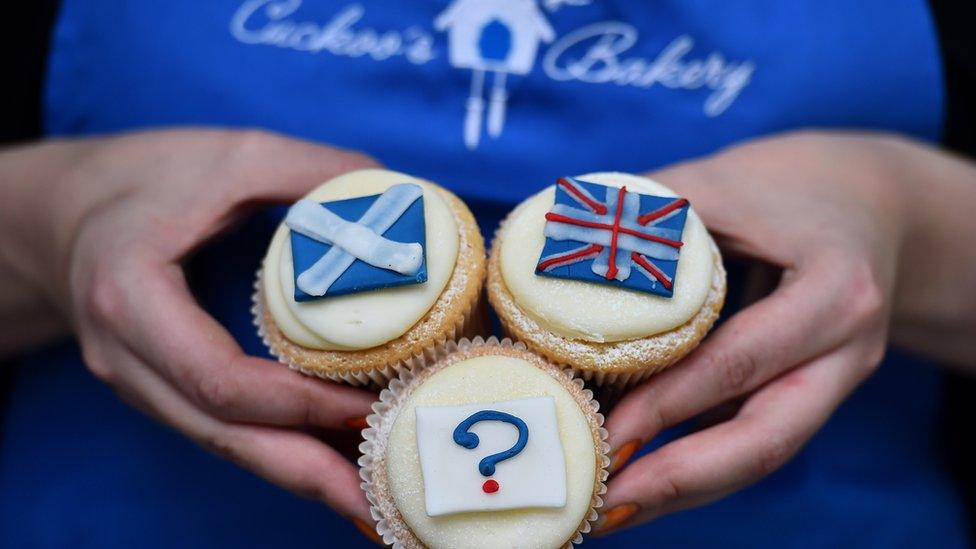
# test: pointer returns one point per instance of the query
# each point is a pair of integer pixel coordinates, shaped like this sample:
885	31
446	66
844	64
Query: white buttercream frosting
495	378
596	312
368	319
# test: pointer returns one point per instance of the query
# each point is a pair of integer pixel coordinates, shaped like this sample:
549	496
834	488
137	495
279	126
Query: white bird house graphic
497	36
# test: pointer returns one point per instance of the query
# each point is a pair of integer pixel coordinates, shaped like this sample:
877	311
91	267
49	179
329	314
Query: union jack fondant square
613	236
358	244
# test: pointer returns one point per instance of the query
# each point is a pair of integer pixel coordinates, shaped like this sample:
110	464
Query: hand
119	219
831	212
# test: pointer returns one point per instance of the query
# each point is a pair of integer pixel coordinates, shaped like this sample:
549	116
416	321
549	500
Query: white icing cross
362	240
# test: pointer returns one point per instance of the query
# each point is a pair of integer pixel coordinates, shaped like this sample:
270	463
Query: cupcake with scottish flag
610	274
488	445
367	271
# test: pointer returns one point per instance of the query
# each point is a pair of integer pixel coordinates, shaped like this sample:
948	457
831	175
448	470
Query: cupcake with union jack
610	274
368	272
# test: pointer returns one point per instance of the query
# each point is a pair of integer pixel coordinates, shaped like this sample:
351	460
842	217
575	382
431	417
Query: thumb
728	205
703	188
282	169
234	172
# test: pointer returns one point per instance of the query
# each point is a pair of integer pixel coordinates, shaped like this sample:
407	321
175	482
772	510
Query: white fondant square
535	477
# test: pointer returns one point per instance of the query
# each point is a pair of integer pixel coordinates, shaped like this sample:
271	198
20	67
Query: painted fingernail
367	530
622	456
616	517
356	423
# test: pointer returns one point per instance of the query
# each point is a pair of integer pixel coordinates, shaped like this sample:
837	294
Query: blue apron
492	98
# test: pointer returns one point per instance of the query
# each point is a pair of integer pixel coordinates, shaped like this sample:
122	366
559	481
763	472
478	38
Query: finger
737	226
770	428
245	169
151	309
809	314
293	460
279	168
704	188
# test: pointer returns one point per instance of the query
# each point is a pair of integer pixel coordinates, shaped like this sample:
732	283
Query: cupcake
367	271
484	445
609	274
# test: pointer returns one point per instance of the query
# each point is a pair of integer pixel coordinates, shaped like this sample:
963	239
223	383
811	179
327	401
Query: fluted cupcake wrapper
389	523
470	324
607	382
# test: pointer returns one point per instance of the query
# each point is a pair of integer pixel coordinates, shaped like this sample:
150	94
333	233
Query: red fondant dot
490	486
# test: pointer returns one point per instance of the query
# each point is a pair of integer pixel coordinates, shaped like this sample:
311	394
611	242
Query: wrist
29	313
26	179
933	311
47	190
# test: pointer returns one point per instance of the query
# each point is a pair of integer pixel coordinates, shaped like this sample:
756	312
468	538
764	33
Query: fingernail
367	530
622	456
616	517
356	423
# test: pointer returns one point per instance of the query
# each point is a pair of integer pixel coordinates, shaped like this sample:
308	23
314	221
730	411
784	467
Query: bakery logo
496	39
499	37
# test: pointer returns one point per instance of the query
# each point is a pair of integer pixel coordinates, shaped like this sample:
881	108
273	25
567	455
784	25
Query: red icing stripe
643	262
557	218
612	264
589	250
662	211
571	189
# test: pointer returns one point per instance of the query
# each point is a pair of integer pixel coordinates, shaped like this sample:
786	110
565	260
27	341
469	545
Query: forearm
935	298
30	206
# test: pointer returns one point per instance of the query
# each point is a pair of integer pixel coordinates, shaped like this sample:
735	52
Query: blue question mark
470	441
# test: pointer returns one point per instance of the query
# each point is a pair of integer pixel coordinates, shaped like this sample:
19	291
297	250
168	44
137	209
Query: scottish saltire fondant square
491	456
608	235
407	228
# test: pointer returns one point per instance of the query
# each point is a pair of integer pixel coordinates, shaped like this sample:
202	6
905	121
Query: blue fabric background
80	469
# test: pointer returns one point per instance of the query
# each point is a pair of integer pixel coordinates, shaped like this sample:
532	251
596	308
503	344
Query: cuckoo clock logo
492	39
497	41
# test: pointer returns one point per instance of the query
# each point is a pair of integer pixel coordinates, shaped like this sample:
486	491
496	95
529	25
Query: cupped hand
830	211
132	208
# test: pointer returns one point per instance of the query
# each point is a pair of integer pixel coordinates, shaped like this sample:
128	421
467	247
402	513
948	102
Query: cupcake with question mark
488	445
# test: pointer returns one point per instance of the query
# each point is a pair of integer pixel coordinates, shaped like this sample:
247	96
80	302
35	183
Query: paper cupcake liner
614	381
605	384
389	523
471	324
